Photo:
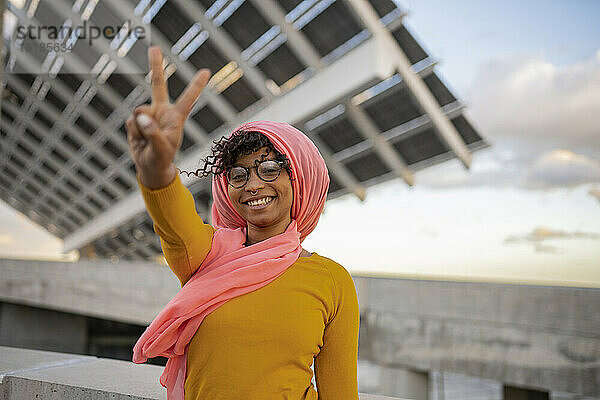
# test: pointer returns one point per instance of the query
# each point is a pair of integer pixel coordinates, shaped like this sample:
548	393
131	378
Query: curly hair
227	150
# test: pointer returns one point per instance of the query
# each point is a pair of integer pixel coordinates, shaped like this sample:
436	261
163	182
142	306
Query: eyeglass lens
267	171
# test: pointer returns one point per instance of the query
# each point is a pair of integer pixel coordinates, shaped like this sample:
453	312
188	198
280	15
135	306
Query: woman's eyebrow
257	161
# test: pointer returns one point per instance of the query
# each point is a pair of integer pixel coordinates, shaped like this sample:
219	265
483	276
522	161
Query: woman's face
275	214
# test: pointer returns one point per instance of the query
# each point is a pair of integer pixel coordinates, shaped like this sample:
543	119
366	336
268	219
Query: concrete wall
31	374
132	292
37	328
524	336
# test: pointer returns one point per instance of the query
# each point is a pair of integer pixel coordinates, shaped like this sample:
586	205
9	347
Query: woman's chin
266	221
261	221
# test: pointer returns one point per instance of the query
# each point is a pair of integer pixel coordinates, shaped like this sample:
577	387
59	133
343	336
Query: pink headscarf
232	269
310	181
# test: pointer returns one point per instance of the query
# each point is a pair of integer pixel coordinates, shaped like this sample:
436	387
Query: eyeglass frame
282	165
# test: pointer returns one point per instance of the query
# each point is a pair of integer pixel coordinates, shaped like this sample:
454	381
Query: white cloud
534	99
541	234
498	168
494	167
528	109
559	168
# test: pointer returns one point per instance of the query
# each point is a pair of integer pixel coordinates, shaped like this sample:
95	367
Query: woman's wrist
154	180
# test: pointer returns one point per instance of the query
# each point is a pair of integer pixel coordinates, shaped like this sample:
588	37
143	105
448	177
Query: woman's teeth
260	202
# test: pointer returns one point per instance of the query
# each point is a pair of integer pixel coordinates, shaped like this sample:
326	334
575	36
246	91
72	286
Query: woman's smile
261	203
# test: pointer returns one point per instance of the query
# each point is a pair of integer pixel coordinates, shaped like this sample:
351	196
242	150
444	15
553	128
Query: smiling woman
256	310
264	205
258	178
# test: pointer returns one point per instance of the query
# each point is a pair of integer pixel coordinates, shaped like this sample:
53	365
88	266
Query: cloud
562	168
541	234
534	99
505	167
543	122
495	167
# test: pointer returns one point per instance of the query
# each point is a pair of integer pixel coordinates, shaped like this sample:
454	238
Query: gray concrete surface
29	374
37	328
125	291
545	338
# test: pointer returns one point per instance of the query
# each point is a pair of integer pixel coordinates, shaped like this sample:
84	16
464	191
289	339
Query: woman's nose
254	182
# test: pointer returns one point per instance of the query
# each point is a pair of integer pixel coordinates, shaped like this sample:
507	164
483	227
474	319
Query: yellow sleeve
184	237
336	364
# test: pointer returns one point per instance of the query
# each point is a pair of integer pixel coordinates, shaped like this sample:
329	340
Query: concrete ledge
30	374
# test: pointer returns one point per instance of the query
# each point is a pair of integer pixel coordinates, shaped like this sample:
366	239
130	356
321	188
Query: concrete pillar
35	328
514	393
405	383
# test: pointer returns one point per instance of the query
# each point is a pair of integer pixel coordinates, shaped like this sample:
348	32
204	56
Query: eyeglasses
267	171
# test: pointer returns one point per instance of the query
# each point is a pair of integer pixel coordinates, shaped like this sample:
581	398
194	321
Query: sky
528	209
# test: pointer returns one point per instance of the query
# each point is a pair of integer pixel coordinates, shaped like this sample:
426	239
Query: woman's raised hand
155	131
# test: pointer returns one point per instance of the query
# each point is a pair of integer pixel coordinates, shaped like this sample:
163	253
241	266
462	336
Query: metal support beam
223	41
424	98
187	70
359	69
103	179
63	92
393	20
75	106
397	133
299	44
30	179
23	176
338	170
76	160
31	194
382	147
103	47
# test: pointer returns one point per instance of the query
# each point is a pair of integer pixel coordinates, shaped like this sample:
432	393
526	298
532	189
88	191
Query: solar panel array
63	144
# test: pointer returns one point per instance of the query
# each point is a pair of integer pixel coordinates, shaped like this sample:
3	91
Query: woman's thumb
146	125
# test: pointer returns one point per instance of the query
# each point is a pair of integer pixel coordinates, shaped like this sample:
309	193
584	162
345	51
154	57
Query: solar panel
65	162
339	135
331	28
246	25
281	65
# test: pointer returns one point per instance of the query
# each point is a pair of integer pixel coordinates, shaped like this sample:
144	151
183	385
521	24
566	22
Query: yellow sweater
261	345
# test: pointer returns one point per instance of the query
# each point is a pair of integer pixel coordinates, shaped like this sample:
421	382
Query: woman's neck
305	253
255	234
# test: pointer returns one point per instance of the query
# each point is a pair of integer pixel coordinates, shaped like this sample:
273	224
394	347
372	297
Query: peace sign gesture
155	131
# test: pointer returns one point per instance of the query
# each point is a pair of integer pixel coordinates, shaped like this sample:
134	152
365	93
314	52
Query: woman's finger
159	85
134	136
132	131
186	100
144	108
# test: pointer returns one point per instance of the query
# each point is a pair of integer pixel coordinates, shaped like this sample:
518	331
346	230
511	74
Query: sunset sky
528	210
